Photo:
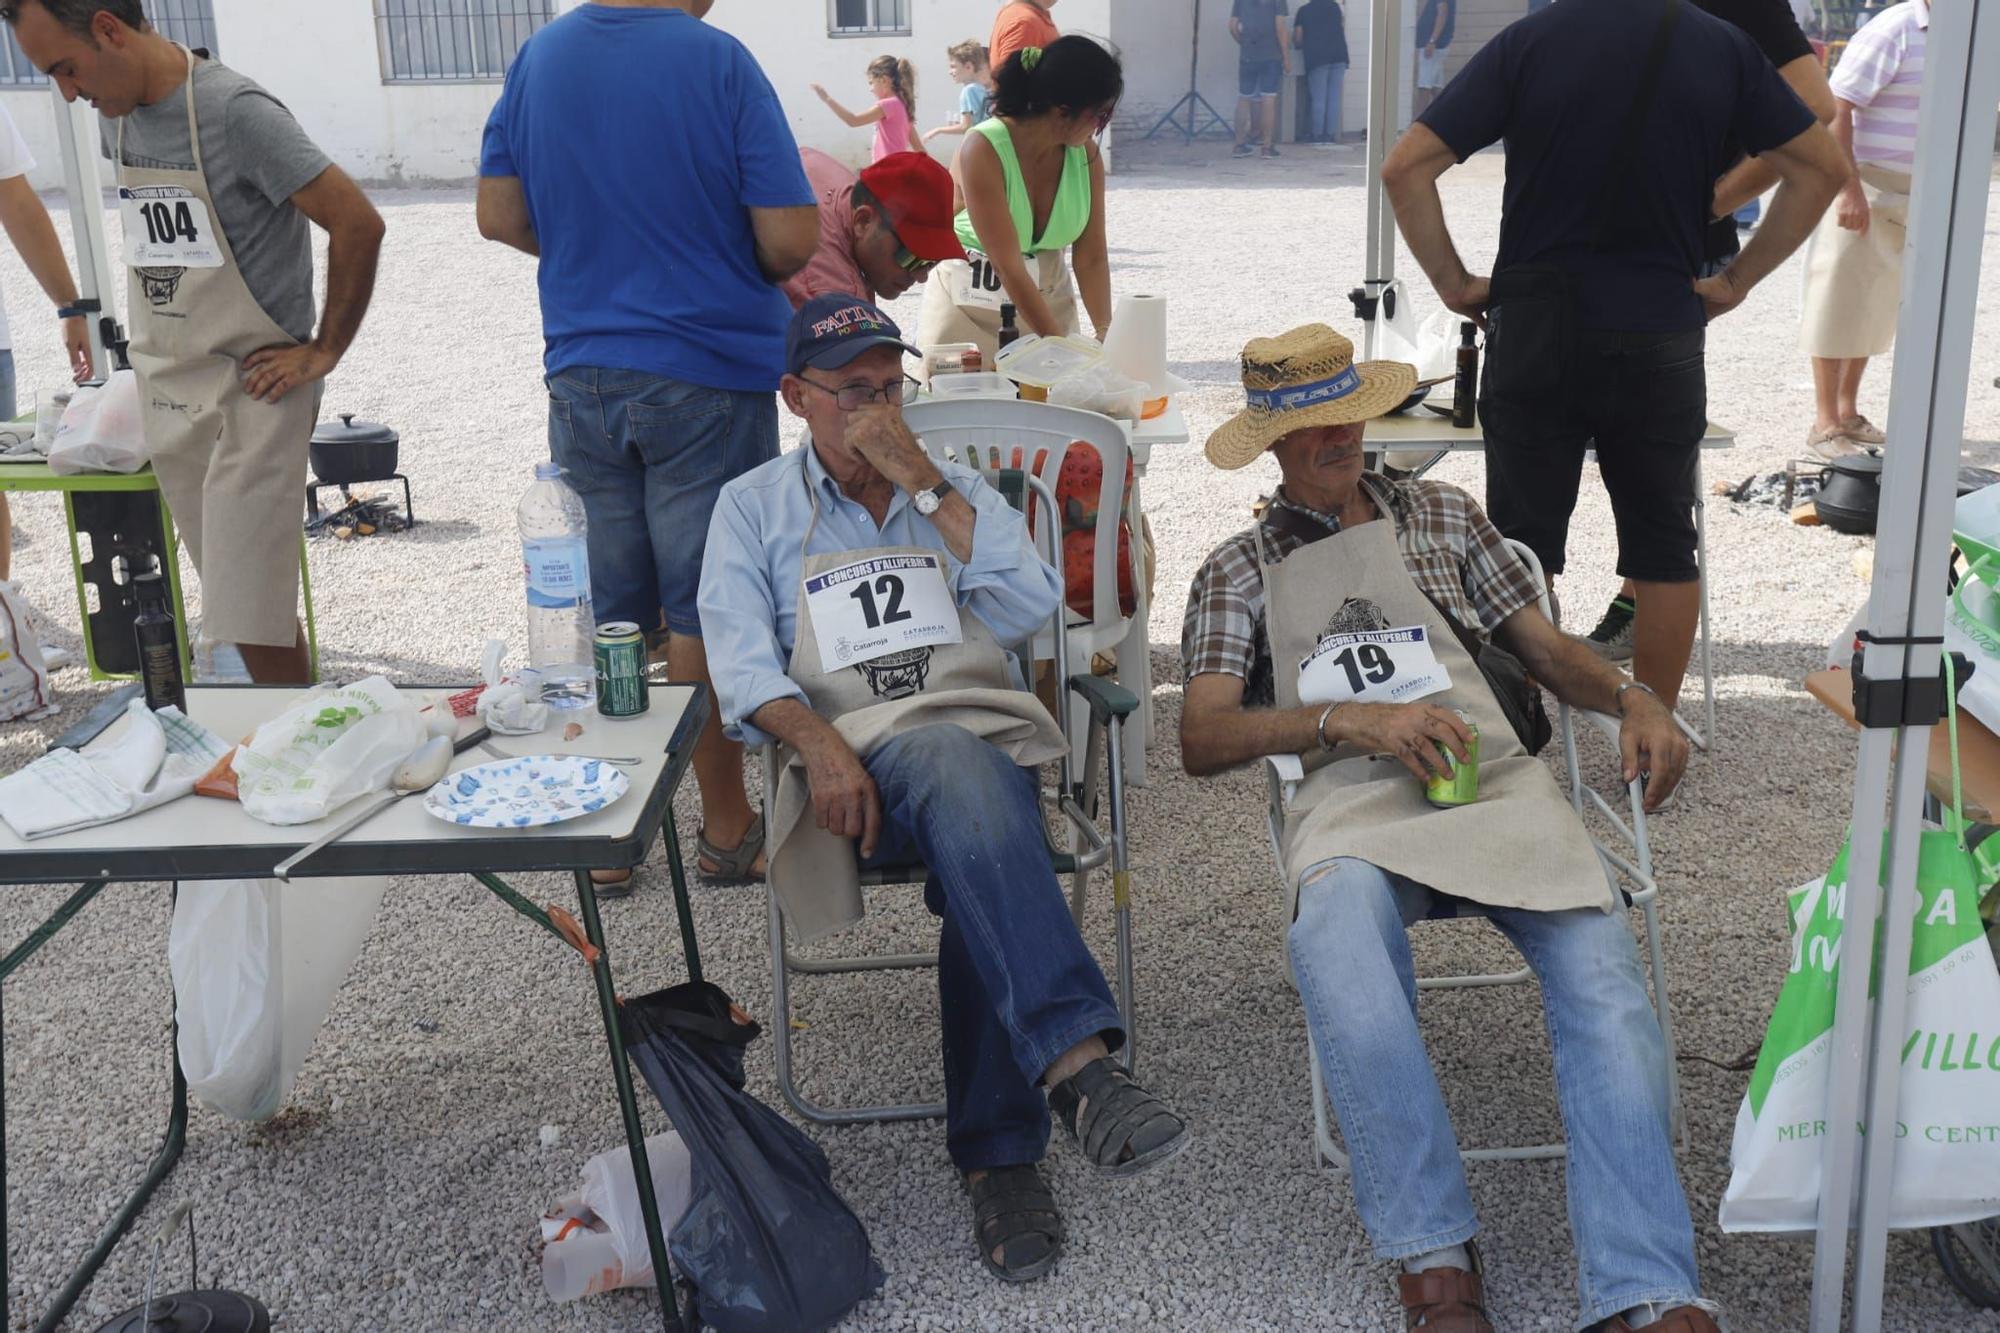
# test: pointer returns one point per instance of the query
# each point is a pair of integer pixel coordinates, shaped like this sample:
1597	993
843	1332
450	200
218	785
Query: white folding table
199	838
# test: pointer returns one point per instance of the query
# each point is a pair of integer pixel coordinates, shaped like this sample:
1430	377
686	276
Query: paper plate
526	792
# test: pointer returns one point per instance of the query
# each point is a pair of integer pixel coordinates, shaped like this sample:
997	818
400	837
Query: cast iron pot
1849	494
347	451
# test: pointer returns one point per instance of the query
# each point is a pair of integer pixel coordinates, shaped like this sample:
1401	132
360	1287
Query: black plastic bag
766	1241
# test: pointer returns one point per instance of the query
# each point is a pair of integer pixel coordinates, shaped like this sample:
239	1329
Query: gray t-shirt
257	158
1259	19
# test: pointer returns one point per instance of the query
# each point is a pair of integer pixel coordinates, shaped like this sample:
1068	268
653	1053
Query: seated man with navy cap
857	599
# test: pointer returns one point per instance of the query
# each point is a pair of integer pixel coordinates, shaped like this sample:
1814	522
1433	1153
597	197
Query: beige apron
965	684
233	470
1519	845
958	308
1854	280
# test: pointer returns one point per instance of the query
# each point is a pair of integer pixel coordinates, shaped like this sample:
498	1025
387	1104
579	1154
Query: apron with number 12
232	468
883	647
1346	610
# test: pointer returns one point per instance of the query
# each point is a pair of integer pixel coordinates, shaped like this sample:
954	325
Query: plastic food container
953	359
985	384
1044	362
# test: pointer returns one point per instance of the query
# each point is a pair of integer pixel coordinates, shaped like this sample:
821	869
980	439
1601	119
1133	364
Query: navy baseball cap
830	331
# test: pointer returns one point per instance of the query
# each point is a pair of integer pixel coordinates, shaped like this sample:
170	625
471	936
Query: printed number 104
164	223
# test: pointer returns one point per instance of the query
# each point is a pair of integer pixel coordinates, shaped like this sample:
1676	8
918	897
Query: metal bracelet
1320	727
1618	695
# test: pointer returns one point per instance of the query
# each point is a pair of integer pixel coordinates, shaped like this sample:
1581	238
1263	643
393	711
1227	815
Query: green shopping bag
1947	1157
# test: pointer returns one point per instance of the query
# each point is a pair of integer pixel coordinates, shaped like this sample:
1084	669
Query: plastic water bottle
555	559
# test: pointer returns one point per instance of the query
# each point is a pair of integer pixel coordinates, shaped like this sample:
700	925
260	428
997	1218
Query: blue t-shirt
642	138
975	101
1557	86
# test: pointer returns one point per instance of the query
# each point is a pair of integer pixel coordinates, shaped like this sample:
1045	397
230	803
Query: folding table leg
628	1106
163	1161
681	905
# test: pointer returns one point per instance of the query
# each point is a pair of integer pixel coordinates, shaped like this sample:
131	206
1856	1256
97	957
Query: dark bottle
159	645
1466	389
1008	331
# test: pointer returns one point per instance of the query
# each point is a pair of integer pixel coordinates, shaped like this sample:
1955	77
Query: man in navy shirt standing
1619	116
644	157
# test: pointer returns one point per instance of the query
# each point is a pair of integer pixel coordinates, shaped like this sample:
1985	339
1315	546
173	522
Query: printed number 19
891	588
163	224
1365	664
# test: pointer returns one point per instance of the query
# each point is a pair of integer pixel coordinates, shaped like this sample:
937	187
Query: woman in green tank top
1031	180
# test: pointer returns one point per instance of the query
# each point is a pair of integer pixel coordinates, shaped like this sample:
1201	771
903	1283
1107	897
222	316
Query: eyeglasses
854	397
907	259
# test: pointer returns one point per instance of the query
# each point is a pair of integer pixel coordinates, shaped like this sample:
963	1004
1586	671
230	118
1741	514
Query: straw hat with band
1301	379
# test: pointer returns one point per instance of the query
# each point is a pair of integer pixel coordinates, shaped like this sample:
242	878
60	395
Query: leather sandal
1122	1128
1445	1300
1014	1212
733	865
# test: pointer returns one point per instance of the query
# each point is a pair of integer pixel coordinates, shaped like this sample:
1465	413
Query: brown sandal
1445	1300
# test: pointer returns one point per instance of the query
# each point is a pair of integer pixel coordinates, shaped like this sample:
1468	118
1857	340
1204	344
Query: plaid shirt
1452	549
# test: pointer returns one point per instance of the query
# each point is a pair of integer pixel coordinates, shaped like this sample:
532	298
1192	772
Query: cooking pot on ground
1850	492
347	451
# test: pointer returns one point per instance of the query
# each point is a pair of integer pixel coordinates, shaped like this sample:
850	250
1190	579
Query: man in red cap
879	233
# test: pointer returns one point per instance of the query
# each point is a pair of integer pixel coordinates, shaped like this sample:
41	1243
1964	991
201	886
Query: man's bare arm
1410	176
1218	733
845	801
1811	168
786	239
1751	177
502	214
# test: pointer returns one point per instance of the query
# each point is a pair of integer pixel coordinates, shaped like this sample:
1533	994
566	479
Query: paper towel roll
1137	347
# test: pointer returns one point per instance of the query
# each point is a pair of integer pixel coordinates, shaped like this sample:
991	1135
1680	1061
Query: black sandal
1122	1128
1014	1212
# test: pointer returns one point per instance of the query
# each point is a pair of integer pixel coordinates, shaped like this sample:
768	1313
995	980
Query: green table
113	507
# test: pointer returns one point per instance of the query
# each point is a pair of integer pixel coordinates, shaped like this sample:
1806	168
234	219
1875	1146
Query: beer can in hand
621	669
1461	785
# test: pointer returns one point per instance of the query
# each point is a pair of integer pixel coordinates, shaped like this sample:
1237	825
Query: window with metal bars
454	41
189	22
867	18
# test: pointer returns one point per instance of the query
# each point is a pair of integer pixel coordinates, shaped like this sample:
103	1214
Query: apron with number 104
1344	613
883	647
232	468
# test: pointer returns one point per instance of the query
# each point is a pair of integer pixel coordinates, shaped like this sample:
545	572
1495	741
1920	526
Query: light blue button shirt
751	570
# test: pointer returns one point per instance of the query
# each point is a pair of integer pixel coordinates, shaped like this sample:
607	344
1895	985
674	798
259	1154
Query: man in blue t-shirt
644	157
1597	321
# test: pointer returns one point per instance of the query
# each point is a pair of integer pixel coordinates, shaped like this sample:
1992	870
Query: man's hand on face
1652	743
878	434
1411	733
845	802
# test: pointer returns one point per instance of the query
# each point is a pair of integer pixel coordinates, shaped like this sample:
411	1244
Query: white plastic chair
1629	880
985	433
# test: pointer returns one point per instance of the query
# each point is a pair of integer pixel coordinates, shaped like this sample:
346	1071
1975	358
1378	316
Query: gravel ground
401	1187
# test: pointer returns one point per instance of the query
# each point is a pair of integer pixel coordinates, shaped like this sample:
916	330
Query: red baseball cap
915	191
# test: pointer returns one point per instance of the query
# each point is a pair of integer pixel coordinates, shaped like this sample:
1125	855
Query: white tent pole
1385	78
1913	540
76	124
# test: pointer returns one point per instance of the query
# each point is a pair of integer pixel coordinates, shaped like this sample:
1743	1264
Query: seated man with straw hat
1351	625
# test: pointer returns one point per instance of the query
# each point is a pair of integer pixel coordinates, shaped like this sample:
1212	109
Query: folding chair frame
1629	879
1109	706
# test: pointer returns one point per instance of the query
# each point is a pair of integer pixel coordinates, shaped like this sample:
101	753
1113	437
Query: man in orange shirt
1020	23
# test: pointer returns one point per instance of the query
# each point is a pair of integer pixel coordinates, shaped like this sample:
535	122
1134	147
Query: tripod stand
1201	117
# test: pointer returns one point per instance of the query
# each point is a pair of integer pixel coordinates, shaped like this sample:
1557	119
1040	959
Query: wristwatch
928	502
1618	695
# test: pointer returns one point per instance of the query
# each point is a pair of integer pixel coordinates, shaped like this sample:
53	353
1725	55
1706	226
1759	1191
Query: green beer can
621	669
1461	785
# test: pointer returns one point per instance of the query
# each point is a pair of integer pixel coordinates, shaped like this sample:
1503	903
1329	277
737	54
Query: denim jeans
8	391
1627	1214
648	455
1016	983
1324	83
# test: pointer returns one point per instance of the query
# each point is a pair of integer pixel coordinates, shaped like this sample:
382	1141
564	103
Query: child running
894	115
975	97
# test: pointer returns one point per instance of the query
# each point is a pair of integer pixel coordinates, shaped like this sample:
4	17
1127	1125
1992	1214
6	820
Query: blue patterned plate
526	792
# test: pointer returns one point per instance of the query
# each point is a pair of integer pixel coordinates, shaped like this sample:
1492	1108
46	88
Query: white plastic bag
24	677
610	1191
330	747
1100	388
1947	1131
101	429
255	965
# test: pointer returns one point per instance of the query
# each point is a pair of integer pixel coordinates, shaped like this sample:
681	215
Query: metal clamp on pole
1365	302
1901	701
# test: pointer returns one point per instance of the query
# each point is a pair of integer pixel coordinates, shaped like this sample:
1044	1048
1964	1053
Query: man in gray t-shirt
220	298
257	158
1264	59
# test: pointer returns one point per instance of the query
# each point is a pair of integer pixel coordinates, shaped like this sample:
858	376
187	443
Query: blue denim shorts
1259	78
649	455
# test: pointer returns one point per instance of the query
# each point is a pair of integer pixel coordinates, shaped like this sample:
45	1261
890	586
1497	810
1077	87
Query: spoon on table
424	769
